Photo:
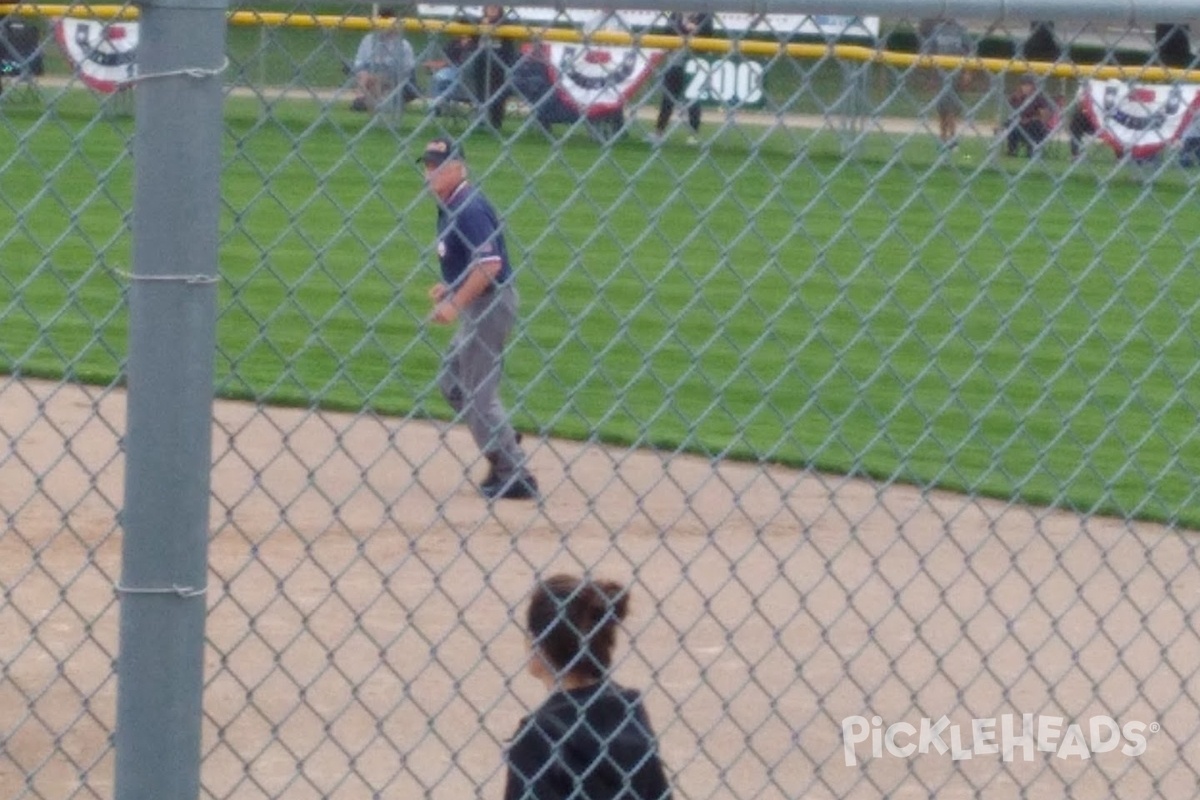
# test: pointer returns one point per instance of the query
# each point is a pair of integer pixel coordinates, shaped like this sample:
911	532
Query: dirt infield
361	596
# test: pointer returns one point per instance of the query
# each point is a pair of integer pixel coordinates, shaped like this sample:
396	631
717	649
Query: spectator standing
674	83
499	58
947	37
382	66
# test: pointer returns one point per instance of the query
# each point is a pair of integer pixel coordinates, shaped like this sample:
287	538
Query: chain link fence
889	426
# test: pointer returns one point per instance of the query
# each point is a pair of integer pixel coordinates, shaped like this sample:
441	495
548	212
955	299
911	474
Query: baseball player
476	291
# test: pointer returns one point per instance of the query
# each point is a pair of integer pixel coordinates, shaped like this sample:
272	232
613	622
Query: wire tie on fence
182	591
191	279
191	72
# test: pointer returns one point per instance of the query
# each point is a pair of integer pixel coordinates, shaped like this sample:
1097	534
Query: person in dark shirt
1034	114
1081	128
476	290
499	59
674	82
449	82
591	739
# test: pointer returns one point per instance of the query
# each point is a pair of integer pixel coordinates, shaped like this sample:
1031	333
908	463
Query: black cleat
521	486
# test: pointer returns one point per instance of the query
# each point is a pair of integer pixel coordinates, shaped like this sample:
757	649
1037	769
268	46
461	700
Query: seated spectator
21	55
1034	115
451	74
383	66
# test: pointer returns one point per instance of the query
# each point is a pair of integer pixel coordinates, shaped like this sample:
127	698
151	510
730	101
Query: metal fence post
172	313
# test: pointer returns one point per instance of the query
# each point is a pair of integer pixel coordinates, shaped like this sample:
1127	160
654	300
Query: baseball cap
441	150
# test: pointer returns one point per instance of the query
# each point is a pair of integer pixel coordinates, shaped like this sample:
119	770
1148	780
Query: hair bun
615	598
572	621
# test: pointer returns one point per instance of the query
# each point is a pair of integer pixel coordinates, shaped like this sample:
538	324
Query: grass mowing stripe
884	315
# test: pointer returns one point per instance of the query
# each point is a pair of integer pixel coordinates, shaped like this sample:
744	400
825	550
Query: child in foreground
591	738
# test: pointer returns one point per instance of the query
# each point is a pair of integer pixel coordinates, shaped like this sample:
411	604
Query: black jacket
593	743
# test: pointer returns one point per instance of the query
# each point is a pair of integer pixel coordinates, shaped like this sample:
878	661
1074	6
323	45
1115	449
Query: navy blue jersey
469	231
593	743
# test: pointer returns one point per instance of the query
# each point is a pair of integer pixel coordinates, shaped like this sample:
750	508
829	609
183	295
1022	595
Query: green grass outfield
962	324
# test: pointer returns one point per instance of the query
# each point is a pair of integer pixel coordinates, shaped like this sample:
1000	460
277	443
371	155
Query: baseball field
884	434
936	323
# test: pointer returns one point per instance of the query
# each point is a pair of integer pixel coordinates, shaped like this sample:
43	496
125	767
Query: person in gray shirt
946	37
382	66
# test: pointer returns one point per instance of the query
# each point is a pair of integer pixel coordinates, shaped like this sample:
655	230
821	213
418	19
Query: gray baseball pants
470	377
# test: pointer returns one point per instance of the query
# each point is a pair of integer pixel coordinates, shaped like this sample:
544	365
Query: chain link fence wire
891	434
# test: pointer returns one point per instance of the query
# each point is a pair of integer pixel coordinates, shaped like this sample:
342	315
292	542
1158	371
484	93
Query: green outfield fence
892	437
